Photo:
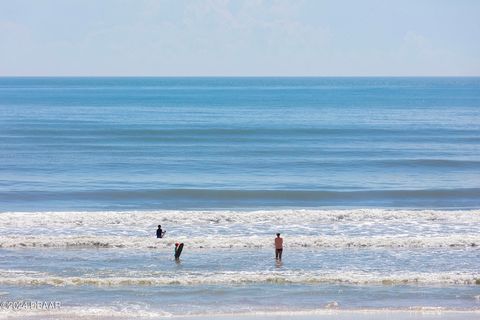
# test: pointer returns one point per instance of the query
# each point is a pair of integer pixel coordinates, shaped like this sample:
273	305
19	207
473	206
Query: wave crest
234	278
235	242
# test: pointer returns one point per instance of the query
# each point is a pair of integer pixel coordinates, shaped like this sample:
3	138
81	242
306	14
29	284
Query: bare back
278	243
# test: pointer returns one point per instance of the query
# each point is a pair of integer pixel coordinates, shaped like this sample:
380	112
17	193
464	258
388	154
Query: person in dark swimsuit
160	232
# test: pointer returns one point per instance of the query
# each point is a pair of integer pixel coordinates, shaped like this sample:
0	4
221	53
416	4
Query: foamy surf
357	228
243	277
243	217
298	223
237	242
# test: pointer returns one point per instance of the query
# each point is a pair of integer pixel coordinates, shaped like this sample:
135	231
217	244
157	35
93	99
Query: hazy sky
249	37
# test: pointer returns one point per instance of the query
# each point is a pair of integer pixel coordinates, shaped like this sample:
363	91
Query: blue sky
240	38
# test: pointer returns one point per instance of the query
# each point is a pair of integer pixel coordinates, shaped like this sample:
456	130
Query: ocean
374	184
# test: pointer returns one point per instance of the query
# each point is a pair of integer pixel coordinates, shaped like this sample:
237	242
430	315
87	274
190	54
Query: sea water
373	183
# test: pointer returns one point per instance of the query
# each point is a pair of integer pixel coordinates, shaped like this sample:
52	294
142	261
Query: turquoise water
137	143
373	183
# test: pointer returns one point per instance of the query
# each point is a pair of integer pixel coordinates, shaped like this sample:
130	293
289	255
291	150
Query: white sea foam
250	277
237	242
287	217
85	312
357	222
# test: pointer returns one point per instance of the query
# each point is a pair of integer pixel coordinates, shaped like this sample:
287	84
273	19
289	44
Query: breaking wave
235	242
254	277
207	217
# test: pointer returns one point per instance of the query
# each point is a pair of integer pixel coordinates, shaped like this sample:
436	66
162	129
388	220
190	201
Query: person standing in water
278	247
160	232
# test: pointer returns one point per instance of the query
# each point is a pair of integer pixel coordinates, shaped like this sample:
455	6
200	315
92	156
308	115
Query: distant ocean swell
421	198
36	129
181	143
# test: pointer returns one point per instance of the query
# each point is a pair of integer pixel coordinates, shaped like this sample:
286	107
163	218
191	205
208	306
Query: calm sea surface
373	182
136	143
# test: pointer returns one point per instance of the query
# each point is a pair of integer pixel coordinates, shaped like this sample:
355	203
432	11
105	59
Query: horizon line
240	76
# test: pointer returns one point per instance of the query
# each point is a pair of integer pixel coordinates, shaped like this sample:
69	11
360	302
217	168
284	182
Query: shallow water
348	259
